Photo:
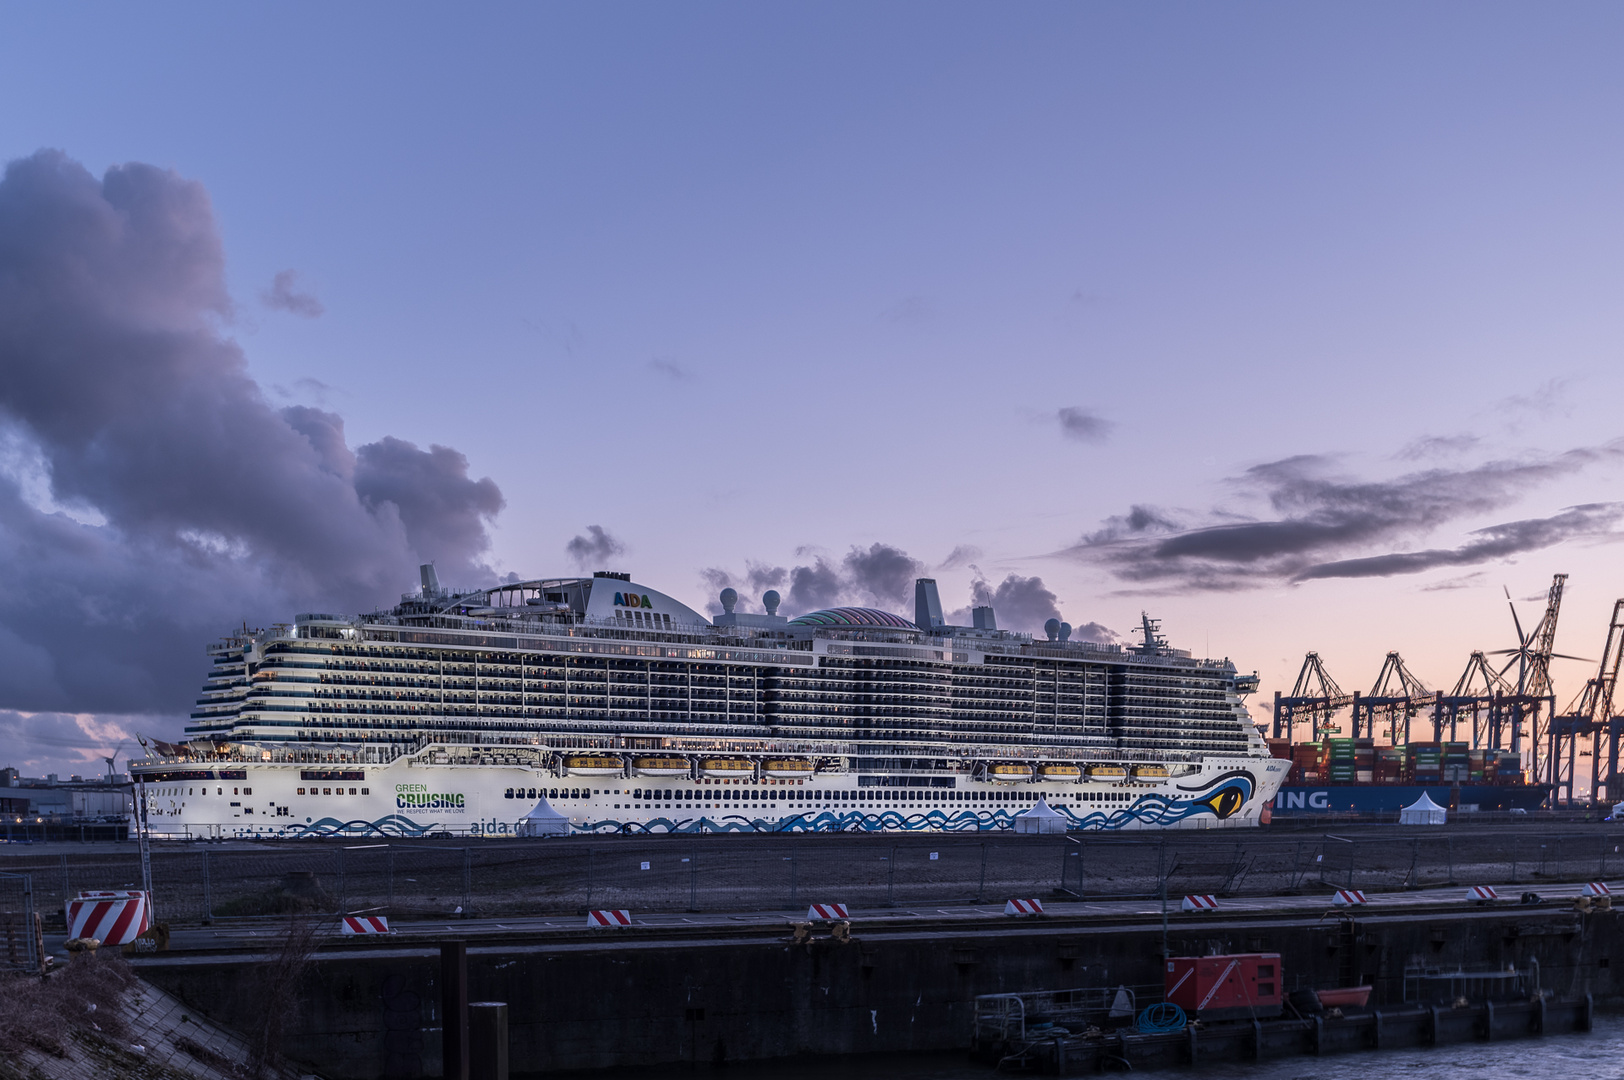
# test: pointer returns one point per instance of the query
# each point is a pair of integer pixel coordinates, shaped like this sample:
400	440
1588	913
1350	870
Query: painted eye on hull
1225	801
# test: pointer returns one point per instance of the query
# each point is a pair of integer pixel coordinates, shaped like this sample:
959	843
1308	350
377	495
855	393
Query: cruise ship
600	705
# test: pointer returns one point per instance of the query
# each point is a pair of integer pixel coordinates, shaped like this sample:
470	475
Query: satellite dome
770	600
729	598
1052	628
1065	631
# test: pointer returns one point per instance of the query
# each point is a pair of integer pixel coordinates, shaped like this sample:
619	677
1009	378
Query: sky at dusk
1297	326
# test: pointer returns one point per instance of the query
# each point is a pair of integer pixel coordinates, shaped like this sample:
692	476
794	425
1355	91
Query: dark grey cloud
816	586
962	555
1323	521
45	742
1494	542
1547	400
284	295
750	585
1082	425
595	549
210	506
1437	446
1020	603
879	575
883	574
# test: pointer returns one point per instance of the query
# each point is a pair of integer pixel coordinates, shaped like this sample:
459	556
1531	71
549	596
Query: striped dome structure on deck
853	616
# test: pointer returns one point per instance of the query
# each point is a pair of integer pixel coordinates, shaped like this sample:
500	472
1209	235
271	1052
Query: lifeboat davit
1060	772
1010	772
1150	772
660	766
592	766
789	769
727	768
1107	772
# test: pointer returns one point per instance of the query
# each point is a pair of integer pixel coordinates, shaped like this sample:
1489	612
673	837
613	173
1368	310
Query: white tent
543	820
1423	812
1040	819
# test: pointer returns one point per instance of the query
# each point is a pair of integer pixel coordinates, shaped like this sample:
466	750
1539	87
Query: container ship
606	706
1357	776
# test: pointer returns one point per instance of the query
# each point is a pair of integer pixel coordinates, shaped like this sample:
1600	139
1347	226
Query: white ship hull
413	796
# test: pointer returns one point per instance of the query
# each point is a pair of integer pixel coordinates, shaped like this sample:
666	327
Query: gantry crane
1532	658
1396	692
1315	694
1481	691
1591	713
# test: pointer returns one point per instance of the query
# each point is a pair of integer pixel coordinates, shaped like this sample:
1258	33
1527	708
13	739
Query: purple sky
1297	325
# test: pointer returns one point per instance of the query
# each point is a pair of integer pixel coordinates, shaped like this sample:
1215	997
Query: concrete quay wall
636	997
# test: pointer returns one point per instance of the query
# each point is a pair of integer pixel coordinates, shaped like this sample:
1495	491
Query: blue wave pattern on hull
1149	810
393	825
1226	796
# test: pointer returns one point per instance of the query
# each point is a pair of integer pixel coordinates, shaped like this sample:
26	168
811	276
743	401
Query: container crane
1314	694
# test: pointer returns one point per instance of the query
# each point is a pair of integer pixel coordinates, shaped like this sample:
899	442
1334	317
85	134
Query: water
1596	1056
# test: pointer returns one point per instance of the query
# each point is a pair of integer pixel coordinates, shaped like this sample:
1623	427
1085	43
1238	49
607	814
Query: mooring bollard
488	1040
454	1010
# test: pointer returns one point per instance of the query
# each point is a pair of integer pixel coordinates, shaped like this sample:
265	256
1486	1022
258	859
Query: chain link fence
444	879
21	944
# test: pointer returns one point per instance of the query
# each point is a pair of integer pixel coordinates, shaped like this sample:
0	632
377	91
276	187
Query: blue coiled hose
1161	1018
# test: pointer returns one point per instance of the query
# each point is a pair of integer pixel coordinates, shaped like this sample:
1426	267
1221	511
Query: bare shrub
44	1013
279	978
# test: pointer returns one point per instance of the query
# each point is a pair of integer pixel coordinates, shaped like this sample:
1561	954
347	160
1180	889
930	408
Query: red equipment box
1237	986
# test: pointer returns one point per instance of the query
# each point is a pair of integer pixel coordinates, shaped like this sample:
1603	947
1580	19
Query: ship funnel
431	580
982	618
927	605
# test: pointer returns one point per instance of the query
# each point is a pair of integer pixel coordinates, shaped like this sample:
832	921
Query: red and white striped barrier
366	924
1349	898
1201	902
609	918
1596	888
1482	894
827	912
1024	907
113	918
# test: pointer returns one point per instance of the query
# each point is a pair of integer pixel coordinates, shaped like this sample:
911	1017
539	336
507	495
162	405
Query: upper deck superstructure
589	659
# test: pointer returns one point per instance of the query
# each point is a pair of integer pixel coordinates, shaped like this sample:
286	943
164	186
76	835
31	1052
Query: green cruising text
600	705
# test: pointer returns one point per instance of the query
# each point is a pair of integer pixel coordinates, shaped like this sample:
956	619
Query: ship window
234	791
352	791
219	791
247	791
366	791
326	791
532	794
508	794
668	795
301	791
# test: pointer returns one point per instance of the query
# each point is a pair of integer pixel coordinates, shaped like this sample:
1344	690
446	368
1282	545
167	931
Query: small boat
1348	997
593	766
1150	772
789	769
1107	772
660	766
1009	772
1060	772
727	768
